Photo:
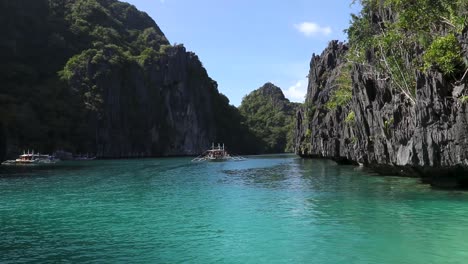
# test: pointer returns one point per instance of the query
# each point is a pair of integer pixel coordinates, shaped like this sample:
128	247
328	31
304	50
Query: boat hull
217	160
218	154
16	163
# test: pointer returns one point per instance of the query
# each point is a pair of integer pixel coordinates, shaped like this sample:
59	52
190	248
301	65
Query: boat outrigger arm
217	154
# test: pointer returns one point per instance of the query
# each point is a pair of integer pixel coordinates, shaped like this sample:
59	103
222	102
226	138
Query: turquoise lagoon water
268	209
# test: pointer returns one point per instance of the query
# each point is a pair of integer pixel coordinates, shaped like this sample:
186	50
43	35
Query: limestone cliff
381	126
161	108
99	76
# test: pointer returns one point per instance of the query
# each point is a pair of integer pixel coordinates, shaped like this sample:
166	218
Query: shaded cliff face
320	131
121	91
2	142
379	125
163	107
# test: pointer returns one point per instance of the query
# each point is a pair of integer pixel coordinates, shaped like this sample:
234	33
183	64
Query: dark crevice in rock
389	134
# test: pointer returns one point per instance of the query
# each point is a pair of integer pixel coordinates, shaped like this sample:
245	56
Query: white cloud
297	92
310	29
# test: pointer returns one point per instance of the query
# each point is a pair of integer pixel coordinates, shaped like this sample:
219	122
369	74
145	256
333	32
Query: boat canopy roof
215	150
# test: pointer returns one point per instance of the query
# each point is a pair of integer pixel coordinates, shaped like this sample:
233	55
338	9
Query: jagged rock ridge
382	128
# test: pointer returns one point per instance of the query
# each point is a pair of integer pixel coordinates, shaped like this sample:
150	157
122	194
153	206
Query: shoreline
446	178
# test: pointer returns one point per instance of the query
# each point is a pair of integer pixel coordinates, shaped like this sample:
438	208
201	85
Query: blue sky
246	43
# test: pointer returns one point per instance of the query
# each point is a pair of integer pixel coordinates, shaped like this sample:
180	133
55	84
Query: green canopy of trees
270	116
402	37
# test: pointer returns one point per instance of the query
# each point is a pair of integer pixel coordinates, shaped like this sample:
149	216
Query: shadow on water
45	170
324	176
293	172
274	156
289	172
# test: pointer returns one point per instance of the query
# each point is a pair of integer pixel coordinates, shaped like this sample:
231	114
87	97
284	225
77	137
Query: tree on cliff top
400	37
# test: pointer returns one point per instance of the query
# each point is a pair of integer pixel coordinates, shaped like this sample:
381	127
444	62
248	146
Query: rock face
162	108
275	95
320	132
381	128
122	89
2	142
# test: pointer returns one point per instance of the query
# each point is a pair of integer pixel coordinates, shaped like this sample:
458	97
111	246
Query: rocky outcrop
269	115
381	128
162	108
275	95
122	89
2	142
321	132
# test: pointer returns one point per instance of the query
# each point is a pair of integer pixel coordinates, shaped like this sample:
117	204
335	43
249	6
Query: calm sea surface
268	209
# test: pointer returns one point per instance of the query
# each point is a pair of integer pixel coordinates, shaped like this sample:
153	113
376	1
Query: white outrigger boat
31	159
217	154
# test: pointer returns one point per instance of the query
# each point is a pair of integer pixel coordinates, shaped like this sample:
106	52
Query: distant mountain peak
270	116
271	91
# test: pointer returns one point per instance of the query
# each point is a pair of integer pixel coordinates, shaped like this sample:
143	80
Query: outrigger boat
31	159
217	154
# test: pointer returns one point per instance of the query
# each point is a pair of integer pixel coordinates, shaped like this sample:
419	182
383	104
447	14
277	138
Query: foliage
164	49
147	55
55	56
231	128
445	53
350	118
464	99
310	109
342	95
387	125
389	36
270	116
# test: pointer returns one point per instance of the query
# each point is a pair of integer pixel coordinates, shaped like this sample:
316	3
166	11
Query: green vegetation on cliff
39	110
405	111
270	116
78	75
402	37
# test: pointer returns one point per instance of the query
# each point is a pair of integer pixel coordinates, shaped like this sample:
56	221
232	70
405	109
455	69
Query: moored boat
218	153
31	159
